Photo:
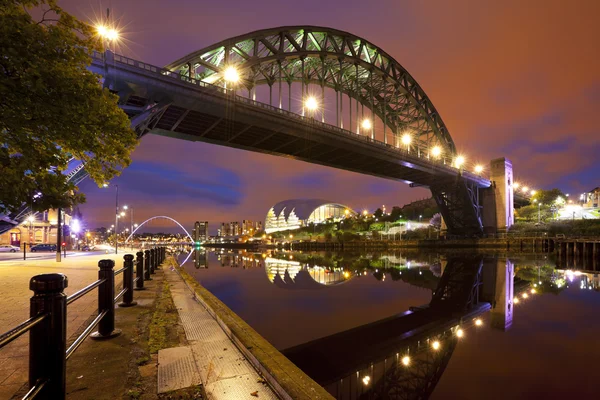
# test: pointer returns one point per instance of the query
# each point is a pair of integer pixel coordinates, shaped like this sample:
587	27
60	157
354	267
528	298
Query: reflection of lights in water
366	380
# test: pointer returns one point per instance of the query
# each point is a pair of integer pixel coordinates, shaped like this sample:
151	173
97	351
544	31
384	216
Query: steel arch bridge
159	217
330	58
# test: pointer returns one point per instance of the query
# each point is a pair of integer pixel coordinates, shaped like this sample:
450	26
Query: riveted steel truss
328	58
458	201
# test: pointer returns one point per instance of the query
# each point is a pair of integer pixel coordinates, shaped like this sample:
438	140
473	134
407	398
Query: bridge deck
199	111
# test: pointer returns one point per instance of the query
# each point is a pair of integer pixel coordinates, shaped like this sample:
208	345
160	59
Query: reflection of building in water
294	214
587	280
236	260
200	257
292	274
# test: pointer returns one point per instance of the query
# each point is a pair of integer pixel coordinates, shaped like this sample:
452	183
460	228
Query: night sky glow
512	78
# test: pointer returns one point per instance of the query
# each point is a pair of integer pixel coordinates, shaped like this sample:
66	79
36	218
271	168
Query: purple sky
512	78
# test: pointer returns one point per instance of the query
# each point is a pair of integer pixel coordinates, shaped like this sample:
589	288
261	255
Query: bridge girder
329	58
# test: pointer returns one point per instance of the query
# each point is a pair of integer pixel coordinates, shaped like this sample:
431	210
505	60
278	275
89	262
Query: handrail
121	293
39	385
117	272
84	334
23	327
84	291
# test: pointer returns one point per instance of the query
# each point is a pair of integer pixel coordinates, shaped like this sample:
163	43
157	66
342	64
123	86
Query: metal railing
47	325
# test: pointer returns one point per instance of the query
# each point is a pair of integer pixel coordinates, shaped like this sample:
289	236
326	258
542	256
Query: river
472	333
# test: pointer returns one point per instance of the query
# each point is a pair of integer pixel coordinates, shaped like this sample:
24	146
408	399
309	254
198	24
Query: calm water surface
544	345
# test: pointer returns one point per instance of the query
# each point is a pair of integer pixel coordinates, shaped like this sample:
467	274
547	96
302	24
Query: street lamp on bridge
459	161
406	139
311	104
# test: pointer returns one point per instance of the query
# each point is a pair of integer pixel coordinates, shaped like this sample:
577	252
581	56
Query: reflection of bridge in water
404	356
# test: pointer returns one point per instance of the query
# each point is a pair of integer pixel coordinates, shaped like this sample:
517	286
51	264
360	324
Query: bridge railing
416	151
48	352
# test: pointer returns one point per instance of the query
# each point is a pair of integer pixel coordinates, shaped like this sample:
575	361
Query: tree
378	213
52	108
548	197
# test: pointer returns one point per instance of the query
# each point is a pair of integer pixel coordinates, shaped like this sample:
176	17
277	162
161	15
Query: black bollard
147	265
152	260
106	301
128	281
48	339
139	270
158	260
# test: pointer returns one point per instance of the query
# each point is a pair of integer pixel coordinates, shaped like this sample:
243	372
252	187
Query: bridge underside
306	141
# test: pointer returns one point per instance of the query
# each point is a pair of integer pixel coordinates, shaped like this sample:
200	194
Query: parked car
43	247
8	248
88	248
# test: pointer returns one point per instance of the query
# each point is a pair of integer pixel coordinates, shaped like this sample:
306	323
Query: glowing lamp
406	139
311	103
406	360
460	160
435	345
436	151
231	74
478	169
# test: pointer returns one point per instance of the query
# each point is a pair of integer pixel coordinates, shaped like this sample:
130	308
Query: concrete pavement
14	305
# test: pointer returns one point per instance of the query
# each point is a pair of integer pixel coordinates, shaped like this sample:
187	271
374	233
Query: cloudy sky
515	78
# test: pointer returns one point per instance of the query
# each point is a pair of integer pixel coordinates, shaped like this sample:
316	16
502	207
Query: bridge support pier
498	200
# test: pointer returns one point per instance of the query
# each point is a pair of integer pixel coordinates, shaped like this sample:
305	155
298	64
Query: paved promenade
211	358
14	306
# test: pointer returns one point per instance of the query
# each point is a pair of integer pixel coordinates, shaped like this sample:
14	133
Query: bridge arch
159	217
330	58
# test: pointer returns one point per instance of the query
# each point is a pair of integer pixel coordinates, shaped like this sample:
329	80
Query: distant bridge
159	217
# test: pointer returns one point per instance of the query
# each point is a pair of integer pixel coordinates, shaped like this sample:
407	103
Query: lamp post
116	219
539	212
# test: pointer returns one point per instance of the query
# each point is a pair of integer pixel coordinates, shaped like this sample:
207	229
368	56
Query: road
578	213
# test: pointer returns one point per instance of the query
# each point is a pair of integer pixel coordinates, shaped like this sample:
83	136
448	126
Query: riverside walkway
15	294
210	356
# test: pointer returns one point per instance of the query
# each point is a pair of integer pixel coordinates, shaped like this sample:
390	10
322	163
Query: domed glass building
296	213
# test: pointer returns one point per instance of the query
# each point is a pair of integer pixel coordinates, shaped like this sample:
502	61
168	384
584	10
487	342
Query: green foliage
548	197
52	108
582	227
530	213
